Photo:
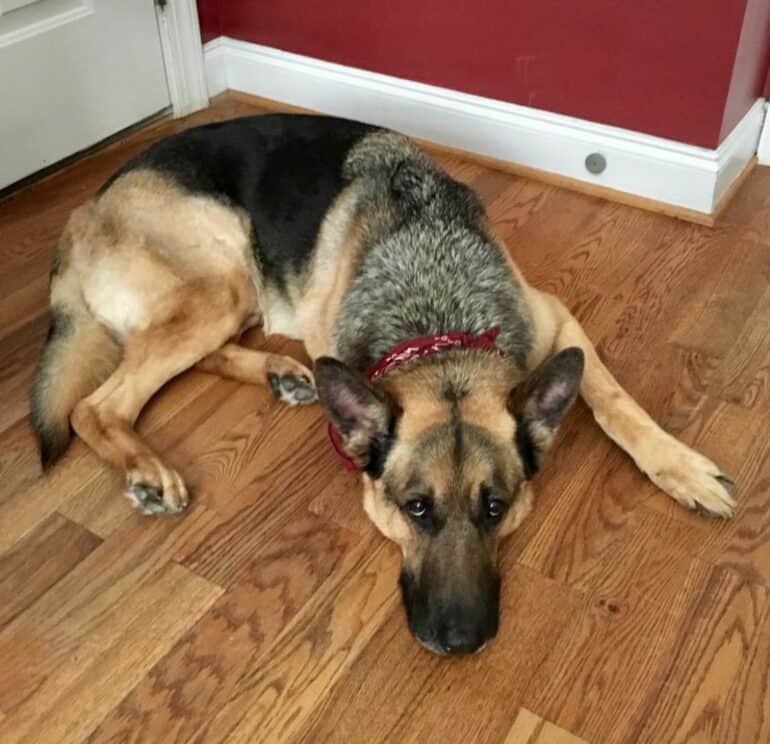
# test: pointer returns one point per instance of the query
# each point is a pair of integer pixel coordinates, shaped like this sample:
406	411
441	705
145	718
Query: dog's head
447	449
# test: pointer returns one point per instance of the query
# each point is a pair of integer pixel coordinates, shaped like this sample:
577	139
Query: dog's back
282	170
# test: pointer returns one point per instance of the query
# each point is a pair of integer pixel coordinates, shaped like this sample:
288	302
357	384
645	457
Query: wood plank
404	693
743	545
706	664
273	702
19	462
73	698
633	649
46	555
18	355
739	284
744	376
91	606
275	461
607	650
746	714
381	688
529	728
233	638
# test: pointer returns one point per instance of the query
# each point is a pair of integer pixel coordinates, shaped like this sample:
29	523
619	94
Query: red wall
664	67
751	64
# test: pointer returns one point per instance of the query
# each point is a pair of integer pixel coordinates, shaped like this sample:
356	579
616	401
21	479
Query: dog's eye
417	508
495	509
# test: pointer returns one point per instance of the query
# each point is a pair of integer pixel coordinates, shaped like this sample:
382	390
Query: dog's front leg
687	476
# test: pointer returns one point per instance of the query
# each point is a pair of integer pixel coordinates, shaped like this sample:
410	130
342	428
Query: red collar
418	348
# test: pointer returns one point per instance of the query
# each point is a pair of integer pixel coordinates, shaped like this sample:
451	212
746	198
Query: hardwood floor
269	612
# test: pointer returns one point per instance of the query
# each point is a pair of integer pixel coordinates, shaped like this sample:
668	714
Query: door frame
180	39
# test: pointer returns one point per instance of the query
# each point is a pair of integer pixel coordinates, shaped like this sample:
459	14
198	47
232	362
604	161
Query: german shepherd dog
350	238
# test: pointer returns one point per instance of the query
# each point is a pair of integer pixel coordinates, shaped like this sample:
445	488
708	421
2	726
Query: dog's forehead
454	432
450	461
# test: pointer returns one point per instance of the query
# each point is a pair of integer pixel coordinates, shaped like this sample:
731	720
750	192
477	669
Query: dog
443	374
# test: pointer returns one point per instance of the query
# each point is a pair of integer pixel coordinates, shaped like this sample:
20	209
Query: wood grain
74	697
233	637
707	663
46	555
529	728
270	612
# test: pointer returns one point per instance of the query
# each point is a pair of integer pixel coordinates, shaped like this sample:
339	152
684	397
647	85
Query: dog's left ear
359	414
543	403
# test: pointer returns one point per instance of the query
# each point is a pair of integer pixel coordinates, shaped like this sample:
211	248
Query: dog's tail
78	355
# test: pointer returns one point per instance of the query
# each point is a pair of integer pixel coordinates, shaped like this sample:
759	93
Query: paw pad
149	500
295	390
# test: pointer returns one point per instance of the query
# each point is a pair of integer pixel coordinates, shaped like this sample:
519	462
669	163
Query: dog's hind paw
169	497
292	389
696	483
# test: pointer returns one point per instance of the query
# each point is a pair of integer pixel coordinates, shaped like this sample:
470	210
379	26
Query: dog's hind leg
288	380
201	320
688	477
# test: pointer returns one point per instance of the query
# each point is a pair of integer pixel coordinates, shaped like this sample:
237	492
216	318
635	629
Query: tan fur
331	272
424	408
75	361
138	246
143	259
200	318
387	517
249	366
518	512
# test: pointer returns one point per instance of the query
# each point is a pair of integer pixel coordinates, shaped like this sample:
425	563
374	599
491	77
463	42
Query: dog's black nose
458	636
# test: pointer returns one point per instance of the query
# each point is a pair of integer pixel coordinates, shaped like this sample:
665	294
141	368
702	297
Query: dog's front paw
157	490
294	389
695	482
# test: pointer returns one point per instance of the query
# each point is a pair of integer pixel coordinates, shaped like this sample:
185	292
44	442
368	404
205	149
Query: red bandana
418	348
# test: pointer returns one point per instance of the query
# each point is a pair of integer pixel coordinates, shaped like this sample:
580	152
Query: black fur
378	452
52	440
526	449
283	170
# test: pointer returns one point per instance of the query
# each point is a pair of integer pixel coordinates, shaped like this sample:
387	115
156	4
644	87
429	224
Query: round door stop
596	162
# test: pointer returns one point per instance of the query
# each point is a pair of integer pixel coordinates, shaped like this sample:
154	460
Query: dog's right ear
359	414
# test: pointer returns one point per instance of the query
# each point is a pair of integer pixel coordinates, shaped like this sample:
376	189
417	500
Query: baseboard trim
763	150
649	172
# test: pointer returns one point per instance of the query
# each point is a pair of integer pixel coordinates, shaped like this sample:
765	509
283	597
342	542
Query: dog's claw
727	483
702	511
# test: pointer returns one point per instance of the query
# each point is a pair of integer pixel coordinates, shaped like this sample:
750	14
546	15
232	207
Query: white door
73	72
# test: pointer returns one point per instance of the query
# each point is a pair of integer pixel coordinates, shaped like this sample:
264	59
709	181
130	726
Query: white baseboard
673	173
763	151
180	39
214	54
